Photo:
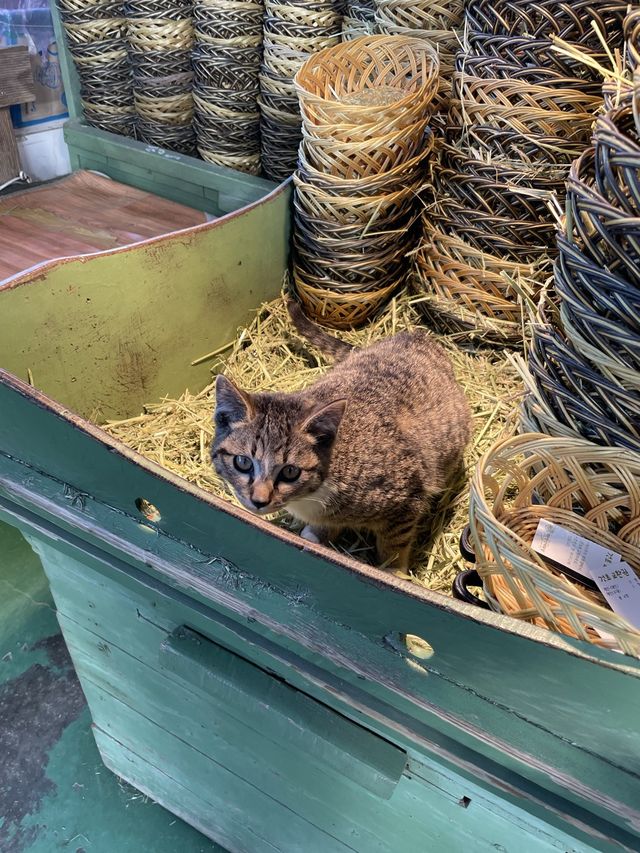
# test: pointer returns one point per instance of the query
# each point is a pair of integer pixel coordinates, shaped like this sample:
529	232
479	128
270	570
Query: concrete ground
55	793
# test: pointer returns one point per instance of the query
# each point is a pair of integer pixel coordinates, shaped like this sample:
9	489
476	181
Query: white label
615	579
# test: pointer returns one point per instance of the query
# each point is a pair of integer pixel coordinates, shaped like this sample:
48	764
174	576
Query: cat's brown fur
376	440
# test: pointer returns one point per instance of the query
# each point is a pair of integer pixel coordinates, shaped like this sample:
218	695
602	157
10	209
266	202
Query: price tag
615	579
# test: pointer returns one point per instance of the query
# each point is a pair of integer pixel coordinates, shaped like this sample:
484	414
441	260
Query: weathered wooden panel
16	80
319	664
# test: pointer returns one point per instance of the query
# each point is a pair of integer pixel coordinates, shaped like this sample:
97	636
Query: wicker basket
467	289
361	81
571	20
591	491
147	35
579	396
543	122
342	310
96	30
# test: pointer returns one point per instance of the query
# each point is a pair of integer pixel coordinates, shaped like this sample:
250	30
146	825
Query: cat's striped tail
333	347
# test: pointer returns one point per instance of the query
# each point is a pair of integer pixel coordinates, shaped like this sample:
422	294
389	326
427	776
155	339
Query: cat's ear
324	421
232	404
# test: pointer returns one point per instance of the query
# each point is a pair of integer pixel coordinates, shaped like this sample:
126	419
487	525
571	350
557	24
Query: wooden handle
284	713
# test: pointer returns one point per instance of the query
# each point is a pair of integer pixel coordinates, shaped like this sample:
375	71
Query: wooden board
80	214
9	160
16	81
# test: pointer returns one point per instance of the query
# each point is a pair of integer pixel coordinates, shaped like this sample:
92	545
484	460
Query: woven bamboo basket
616	156
228	19
496	205
608	235
95	55
361	80
342	310
230	68
591	491
545	122
632	37
85	6
579	395
470	290
87	14
422	14
342	211
572	20
170	10
153	35
98	30
251	165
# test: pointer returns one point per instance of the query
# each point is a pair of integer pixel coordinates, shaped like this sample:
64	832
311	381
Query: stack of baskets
160	35
96	38
519	114
226	63
359	19
584	364
590	491
293	30
437	22
365	106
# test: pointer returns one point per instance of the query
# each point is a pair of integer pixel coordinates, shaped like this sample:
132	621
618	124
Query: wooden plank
328	798
478	758
9	160
16	80
329	738
56	326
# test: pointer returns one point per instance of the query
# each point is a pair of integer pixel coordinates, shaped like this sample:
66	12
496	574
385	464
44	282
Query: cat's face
270	448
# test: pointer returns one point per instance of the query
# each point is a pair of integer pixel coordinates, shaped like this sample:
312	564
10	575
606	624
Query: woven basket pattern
591	491
365	106
226	62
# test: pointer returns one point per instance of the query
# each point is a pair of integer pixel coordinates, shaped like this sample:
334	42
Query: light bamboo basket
589	490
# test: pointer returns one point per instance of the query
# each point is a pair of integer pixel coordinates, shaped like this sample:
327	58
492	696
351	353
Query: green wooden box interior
255	684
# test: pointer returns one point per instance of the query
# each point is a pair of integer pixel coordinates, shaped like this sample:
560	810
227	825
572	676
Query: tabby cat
369	446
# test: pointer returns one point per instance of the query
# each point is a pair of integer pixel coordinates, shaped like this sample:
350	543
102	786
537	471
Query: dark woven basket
180	138
579	396
98	11
616	164
632	37
227	68
231	136
174	10
527	51
278	27
607	236
159	63
237	100
500	199
571	20
174	84
227	24
279	147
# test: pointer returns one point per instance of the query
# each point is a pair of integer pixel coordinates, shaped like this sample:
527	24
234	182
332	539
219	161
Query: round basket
367	79
87	14
160	63
632	38
588	490
528	51
276	27
338	211
180	138
234	100
324	19
174	10
579	395
571	20
230	21
172	86
86	6
491	67
150	35
248	164
172	110
556	121
342	310
279	142
98	30
350	269
98	55
616	160
235	69
606	234
355	160
422	14
471	290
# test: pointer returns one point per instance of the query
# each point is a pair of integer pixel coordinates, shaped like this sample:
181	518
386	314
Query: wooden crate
253	683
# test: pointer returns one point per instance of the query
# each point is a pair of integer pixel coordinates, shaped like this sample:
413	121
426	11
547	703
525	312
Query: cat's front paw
311	534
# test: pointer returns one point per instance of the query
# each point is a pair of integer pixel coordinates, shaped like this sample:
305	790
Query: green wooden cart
257	685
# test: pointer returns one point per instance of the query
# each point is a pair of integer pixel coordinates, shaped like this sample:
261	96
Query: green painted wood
92	599
355	816
330	738
123	314
70	77
138	164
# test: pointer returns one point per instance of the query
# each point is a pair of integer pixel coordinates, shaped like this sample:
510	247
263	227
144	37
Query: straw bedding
270	355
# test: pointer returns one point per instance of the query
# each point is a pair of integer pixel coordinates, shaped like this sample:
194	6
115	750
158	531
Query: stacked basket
97	42
519	114
584	364
293	30
160	35
226	63
359	19
365	106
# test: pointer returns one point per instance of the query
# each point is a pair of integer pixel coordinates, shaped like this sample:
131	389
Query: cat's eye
289	473
242	464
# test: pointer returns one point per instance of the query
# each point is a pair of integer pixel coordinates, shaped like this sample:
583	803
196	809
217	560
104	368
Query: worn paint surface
55	793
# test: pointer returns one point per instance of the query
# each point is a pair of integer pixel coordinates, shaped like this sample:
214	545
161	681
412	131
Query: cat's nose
259	504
